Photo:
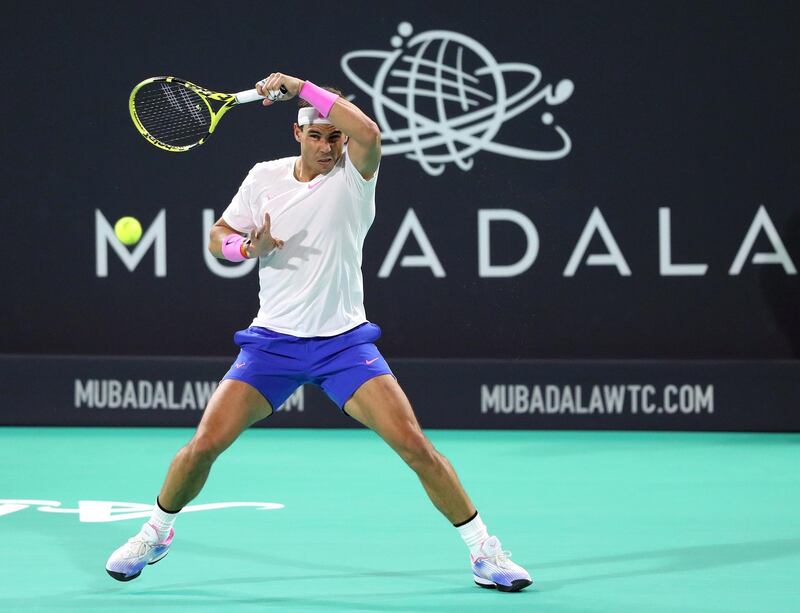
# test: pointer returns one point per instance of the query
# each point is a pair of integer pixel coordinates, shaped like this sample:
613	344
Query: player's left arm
364	136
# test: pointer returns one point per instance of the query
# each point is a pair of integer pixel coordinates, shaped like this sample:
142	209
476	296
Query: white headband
309	115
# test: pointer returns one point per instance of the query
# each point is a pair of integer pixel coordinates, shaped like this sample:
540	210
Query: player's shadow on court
295	247
676	560
443	584
455	580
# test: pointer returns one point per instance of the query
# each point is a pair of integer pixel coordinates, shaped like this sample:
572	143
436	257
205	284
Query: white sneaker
127	562
493	568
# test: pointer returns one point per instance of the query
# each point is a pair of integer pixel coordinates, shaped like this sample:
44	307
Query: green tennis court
605	521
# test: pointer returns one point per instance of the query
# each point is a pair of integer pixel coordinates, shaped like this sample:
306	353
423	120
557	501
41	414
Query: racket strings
172	113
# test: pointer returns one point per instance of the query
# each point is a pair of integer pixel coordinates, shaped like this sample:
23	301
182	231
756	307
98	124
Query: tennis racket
176	115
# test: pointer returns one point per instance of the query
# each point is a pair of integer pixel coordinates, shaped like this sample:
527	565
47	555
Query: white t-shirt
313	286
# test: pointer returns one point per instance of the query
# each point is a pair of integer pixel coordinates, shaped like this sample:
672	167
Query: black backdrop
685	106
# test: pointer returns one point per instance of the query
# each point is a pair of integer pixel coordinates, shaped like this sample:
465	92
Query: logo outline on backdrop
475	129
104	511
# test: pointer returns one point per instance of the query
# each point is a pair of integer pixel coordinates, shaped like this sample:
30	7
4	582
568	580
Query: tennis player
305	218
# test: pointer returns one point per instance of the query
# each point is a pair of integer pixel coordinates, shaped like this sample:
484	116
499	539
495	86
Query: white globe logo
442	112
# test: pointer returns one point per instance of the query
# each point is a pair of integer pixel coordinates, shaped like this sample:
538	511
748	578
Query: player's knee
205	448
418	452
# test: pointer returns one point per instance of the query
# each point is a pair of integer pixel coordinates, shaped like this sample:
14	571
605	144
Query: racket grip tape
251	95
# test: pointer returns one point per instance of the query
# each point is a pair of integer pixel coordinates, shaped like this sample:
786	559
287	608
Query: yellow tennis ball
128	230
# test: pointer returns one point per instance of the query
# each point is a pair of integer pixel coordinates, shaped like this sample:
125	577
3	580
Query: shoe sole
516	585
123	577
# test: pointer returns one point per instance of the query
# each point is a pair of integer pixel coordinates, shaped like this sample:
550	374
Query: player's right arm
364	144
259	241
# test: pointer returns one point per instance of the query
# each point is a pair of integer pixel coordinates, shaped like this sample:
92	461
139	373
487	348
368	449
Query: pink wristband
320	99
232	248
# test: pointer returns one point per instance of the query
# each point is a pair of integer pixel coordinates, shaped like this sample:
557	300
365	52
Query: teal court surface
604	521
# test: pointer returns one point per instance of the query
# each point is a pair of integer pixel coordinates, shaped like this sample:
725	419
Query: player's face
320	146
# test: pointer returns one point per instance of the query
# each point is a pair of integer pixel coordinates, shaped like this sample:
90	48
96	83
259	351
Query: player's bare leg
233	408
381	405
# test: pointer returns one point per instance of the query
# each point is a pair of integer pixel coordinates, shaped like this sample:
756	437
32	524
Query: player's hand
271	87
260	241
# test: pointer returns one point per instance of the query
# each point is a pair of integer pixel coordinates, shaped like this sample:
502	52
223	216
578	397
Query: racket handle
248	95
251	95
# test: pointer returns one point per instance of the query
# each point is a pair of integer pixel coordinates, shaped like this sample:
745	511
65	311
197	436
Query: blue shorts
277	364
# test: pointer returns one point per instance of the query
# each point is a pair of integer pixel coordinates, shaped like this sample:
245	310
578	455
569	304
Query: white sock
474	533
162	521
